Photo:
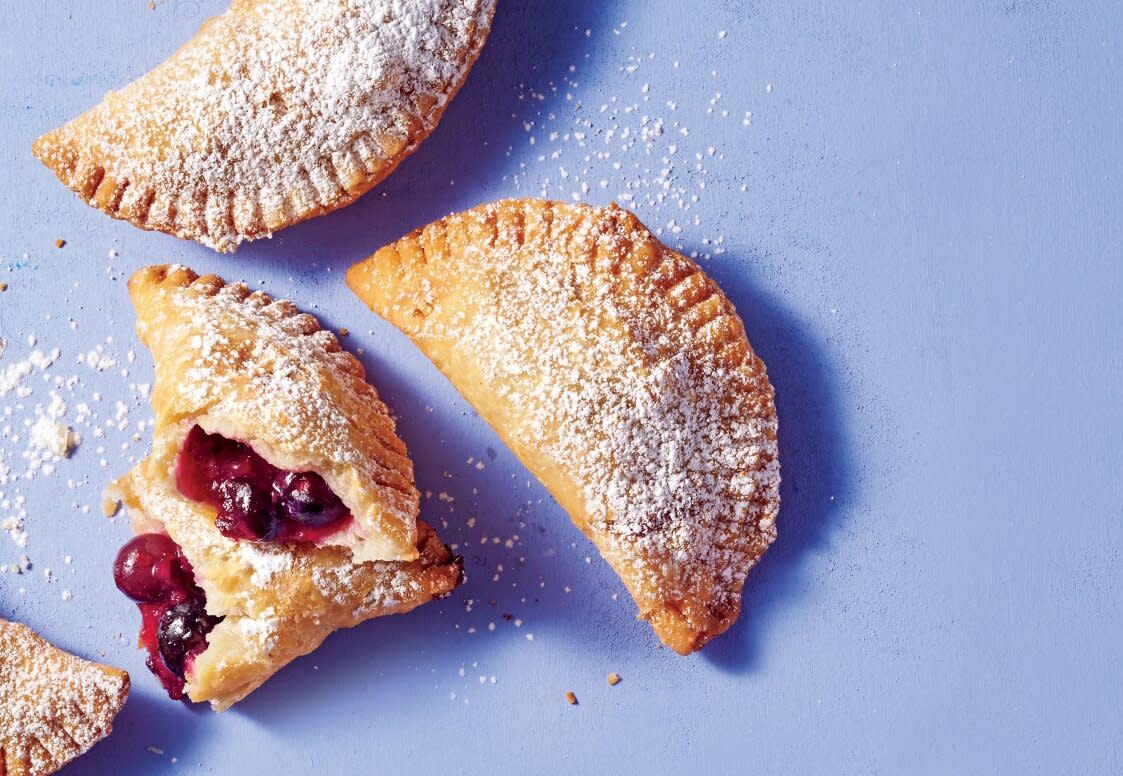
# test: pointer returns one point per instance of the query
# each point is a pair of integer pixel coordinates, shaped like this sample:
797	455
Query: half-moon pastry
276	111
54	706
278	502
619	374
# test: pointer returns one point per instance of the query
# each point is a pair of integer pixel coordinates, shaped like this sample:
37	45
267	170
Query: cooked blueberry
305	498
150	568
237	462
183	632
244	512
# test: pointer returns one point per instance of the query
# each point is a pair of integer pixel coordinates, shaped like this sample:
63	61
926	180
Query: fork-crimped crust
276	111
621	376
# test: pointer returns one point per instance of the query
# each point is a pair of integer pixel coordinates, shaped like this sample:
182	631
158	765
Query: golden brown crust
279	601
621	376
260	371
276	111
54	706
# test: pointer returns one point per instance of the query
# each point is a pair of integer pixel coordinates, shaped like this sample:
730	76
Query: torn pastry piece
220	616
54	706
276	111
261	416
278	502
619	374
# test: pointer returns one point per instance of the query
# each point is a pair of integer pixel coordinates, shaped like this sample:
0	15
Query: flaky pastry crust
619	374
276	111
278	602
54	706
259	371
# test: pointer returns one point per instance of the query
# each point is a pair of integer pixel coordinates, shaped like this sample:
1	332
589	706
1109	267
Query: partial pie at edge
54	706
279	392
276	111
619	374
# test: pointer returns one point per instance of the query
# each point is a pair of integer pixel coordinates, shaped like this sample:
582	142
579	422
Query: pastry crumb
60	242
570	698
613	679
3	286
344	331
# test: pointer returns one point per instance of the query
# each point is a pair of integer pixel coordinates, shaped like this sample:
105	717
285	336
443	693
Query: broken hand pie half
278	502
53	706
276	111
619	374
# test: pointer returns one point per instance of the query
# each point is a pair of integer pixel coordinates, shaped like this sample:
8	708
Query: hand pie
53	706
276	111
619	374
278	502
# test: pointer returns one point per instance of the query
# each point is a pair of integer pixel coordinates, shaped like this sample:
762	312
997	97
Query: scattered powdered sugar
628	145
37	436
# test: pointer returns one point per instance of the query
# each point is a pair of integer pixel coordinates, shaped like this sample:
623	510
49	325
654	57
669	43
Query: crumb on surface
613	679
570	698
60	242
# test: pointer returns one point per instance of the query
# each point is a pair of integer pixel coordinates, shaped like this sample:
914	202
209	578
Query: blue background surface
920	225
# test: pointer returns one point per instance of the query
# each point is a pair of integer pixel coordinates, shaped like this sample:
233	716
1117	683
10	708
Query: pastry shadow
148	720
541	585
815	461
466	159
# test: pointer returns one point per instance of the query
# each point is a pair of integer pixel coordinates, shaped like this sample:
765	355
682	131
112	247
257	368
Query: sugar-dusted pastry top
276	111
257	370
620	375
277	602
53	706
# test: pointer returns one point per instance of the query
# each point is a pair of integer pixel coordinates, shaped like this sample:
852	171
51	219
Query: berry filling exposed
255	500
152	570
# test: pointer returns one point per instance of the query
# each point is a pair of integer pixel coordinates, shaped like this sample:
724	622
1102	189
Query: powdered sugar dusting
275	112
54	705
257	370
278	601
621	365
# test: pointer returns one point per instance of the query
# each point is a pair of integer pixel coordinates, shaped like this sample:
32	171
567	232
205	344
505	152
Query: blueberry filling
255	501
152	570
182	633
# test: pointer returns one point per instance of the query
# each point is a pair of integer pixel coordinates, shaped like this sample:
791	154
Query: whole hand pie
53	706
619	374
278	502
276	111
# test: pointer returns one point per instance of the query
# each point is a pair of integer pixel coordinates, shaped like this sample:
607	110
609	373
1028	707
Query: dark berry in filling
182	633
255	500
152	570
306	499
245	511
150	566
